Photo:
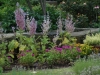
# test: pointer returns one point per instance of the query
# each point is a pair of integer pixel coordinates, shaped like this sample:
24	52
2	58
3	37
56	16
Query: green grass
61	71
82	64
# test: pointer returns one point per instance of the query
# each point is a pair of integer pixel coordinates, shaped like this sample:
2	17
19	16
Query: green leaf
11	55
3	51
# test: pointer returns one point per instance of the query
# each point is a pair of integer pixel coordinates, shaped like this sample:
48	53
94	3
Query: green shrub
92	39
1	69
7	18
26	58
54	13
61	55
83	8
82	21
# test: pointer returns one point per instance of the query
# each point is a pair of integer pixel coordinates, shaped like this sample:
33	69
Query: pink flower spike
20	18
33	26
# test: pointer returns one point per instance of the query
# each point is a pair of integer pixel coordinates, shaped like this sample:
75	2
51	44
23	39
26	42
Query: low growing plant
26	58
85	49
4	60
91	70
62	55
85	66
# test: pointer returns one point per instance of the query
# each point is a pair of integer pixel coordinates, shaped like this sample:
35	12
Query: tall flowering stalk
27	22
56	37
20	17
69	25
46	24
33	26
59	23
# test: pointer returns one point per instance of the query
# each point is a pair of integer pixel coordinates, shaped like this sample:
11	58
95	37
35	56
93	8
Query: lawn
61	71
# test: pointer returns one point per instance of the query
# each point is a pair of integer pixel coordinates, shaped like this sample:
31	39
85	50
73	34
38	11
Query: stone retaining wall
79	33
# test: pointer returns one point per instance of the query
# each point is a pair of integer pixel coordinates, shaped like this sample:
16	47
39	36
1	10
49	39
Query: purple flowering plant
20	17
62	55
23	42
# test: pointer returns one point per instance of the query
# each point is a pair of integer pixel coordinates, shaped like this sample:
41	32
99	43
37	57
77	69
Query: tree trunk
43	5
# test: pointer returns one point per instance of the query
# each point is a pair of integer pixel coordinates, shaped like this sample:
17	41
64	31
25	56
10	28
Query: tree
43	5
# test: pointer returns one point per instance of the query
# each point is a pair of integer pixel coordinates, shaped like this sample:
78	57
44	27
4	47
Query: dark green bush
54	13
82	7
8	18
82	21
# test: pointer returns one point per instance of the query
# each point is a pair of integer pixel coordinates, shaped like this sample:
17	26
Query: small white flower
34	72
84	3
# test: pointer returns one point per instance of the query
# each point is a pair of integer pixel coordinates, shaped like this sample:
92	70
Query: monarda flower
67	47
20	17
32	54
33	26
47	50
59	49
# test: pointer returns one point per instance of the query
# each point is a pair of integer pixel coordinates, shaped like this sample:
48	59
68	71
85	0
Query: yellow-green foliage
85	49
92	39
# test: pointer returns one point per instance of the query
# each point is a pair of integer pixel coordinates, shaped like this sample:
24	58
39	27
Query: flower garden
42	43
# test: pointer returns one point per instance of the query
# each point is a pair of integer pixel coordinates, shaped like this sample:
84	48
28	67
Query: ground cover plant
88	66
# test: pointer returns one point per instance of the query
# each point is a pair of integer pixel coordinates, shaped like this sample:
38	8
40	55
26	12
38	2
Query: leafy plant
80	8
3	56
85	49
1	69
44	42
26	58
82	21
61	55
54	13
92	39
13	44
65	38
